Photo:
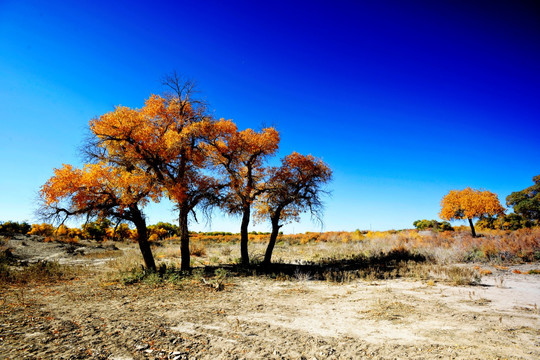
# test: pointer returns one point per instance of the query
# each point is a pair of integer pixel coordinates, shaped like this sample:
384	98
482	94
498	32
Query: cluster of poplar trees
173	147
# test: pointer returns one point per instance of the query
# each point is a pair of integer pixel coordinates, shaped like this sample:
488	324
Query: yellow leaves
171	140
469	203
250	142
239	157
223	126
227	142
64	182
177	192
163	138
115	123
42	229
155	106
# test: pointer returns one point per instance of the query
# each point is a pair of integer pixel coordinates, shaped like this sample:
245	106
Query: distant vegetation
515	236
433	225
511	221
458	244
526	202
11	227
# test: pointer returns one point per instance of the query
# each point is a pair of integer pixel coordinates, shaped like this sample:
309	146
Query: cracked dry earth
258	318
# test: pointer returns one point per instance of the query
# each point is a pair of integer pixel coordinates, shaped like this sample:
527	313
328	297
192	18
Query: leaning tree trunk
472	228
142	239
184	238
273	237
244	236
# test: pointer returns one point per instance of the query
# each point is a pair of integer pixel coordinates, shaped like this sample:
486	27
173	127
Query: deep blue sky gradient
404	100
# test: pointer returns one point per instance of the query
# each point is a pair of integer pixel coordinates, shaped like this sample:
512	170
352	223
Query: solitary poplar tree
470	204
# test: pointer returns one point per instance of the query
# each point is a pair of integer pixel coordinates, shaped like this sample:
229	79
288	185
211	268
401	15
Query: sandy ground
261	318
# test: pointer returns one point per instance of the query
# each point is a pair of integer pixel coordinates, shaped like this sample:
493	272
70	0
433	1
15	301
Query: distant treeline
103	229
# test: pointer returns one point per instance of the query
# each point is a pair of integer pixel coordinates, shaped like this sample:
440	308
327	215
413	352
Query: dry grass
131	258
494	246
197	249
107	254
394	256
344	257
40	272
391	310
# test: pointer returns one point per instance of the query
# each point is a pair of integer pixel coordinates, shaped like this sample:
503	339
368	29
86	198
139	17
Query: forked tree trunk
142	239
273	237
184	239
472	228
244	236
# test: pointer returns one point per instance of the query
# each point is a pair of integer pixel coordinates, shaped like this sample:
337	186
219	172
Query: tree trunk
472	228
244	236
273	237
142	239
184	239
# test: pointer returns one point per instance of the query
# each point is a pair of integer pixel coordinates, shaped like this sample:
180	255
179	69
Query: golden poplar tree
101	191
469	204
240	157
293	188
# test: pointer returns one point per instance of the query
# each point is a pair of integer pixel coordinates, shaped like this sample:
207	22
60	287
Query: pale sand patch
385	315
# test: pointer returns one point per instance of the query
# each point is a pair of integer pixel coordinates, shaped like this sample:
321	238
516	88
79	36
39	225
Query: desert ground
90	311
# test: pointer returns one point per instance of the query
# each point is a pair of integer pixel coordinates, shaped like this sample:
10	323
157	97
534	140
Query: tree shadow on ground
356	266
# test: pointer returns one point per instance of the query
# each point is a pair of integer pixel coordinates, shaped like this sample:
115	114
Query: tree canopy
101	191
527	201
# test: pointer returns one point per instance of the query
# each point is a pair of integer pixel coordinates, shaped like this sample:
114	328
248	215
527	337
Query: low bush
40	272
11	227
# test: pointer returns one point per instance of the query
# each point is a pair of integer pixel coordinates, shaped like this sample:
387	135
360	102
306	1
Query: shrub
197	249
120	232
11	227
432	225
43	271
96	230
511	221
43	229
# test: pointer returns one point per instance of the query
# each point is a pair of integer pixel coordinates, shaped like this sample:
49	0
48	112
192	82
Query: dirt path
31	249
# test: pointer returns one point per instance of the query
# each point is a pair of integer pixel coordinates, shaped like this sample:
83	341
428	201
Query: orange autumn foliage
293	188
240	156
102	190
162	139
97	189
469	204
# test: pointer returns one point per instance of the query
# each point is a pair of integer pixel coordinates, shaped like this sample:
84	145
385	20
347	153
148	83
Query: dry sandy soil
262	318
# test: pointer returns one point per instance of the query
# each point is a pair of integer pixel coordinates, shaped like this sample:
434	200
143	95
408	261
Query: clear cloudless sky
405	100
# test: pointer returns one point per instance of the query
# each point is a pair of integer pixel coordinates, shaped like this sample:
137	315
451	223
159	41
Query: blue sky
404	100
